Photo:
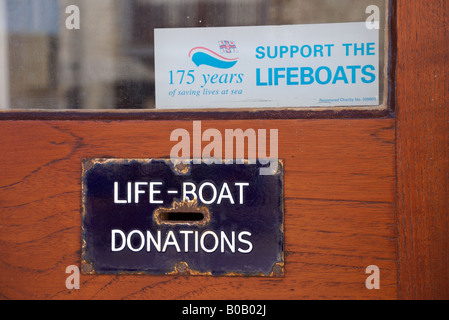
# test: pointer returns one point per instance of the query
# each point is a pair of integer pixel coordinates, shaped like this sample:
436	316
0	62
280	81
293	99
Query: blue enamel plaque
148	216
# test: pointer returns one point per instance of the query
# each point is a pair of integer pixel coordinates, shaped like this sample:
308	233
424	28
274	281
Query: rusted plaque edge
94	258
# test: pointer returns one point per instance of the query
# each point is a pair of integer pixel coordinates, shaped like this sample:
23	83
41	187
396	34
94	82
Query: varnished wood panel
423	148
339	209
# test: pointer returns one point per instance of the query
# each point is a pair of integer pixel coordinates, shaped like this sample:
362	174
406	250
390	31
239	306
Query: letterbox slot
182	216
183	212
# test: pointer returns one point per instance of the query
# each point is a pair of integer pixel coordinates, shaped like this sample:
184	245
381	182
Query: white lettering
137	190
250	245
214	192
203	237
113	240
72	21
171	241
153	192
186	239
150	239
116	192
129	241
228	195
241	185
196	242
207	241
231	244
185	192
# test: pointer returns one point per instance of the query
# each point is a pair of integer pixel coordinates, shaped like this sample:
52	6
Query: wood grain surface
345	208
422	88
339	209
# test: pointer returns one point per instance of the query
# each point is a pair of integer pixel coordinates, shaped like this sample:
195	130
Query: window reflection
109	62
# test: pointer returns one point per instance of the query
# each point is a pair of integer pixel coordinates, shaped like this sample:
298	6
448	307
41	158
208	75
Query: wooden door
359	189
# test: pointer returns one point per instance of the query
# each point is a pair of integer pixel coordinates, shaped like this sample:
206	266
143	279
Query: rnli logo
227	58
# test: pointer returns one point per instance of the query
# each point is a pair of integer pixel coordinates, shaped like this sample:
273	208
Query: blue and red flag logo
204	56
227	46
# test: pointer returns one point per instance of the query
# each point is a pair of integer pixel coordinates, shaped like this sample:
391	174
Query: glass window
108	63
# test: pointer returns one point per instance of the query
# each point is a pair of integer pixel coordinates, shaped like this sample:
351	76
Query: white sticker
315	65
